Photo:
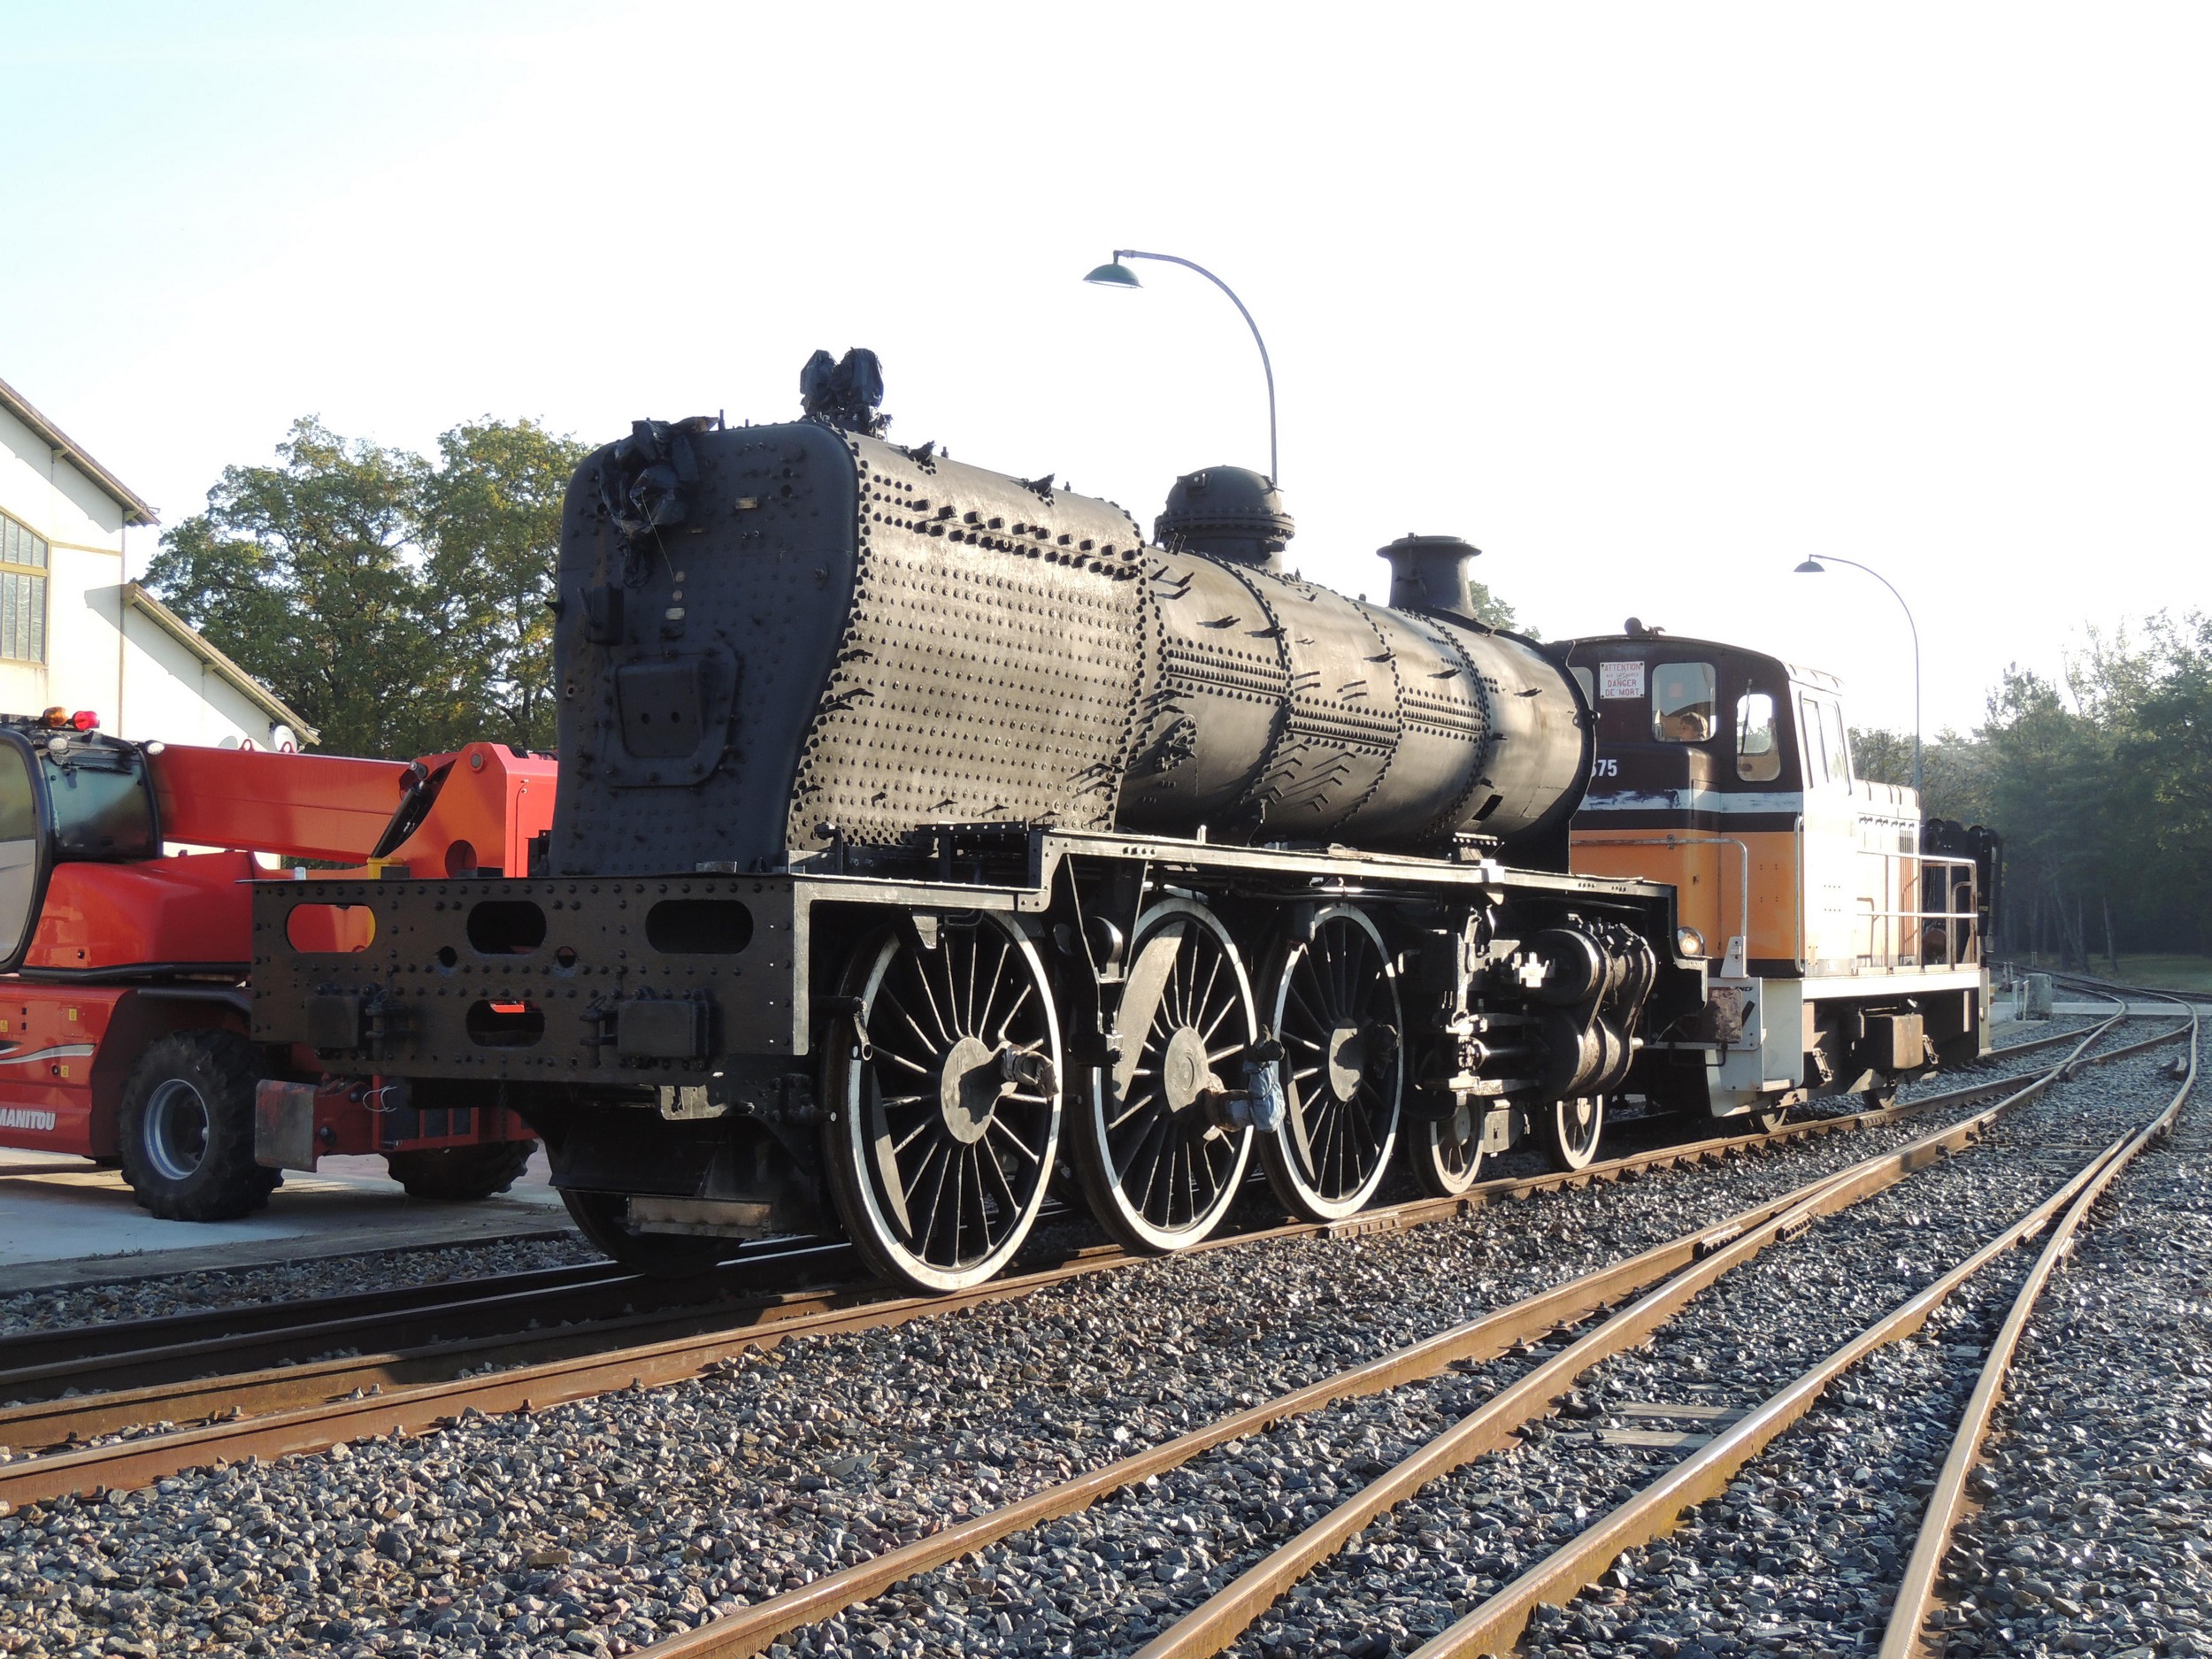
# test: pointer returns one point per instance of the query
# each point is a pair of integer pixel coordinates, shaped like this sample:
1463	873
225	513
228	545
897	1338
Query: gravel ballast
597	1526
152	1296
1429	1561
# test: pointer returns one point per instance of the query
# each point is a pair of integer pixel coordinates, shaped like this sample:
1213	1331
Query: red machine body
111	945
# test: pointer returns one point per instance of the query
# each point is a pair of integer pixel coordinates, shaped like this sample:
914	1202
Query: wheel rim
176	1130
1161	1167
1450	1156
948	1102
1338	1018
1578	1124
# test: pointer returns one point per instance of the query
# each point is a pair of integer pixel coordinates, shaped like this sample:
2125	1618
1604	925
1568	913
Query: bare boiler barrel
1277	709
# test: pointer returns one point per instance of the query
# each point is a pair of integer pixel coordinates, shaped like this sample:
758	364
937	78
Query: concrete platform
63	1221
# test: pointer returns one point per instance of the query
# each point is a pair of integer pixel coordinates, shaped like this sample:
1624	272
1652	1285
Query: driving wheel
1337	1016
1158	1156
944	1100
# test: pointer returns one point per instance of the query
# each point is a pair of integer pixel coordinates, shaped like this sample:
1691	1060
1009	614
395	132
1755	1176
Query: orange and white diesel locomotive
922	832
1849	954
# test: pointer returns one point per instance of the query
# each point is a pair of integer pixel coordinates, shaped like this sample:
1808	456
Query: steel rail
308	1407
1497	1624
29	1350
57	1420
752	1630
1918	1592
1230	1611
127	1354
467	1310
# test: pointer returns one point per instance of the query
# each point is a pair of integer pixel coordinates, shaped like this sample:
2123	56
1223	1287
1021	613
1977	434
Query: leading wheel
602	1217
1447	1155
1159	1159
1338	1018
186	1128
1571	1139
944	1099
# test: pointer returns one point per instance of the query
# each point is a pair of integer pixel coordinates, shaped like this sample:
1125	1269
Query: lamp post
1813	567
1114	274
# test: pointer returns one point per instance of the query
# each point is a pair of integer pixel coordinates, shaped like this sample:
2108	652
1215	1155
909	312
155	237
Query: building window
22	593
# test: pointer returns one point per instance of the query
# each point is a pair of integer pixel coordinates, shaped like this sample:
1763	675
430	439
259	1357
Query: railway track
1622	1305
120	1354
287	1406
1922	1593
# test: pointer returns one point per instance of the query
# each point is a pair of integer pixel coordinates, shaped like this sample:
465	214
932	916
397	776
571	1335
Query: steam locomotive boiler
924	833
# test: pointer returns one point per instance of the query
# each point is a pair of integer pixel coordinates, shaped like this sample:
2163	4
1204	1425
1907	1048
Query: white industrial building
78	632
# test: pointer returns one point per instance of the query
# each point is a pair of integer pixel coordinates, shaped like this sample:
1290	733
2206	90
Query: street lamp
1118	275
1813	567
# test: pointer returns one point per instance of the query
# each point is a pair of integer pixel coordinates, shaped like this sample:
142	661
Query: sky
1649	303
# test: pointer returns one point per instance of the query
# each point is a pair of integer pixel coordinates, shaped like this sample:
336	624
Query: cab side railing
1934	922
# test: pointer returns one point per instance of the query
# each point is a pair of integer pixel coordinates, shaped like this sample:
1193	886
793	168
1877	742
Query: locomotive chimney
1227	512
1429	572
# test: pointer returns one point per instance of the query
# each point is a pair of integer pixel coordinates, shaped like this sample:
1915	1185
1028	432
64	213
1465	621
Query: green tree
304	572
2168	761
400	605
1495	612
489	516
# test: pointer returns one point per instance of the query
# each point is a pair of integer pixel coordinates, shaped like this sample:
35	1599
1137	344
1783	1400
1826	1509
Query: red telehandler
123	994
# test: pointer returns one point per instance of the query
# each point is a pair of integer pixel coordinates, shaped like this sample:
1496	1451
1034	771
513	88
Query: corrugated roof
135	510
136	597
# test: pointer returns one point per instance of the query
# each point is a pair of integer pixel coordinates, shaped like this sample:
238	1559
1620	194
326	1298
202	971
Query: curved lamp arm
1266	367
1830	558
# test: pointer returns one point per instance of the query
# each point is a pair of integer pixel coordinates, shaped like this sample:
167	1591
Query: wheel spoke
918	972
954	1026
929	1044
1312	1020
1021	1001
892	1055
991	988
1183	1180
984	1161
1228	1007
1136	1104
929	1159
1205	997
1026	1150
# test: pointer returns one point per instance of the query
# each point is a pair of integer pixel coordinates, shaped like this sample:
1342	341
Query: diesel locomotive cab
1845	935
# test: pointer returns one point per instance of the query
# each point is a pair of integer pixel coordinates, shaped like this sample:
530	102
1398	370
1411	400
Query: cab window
18	808
102	804
1838	749
1826	761
1758	752
18	852
1682	707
